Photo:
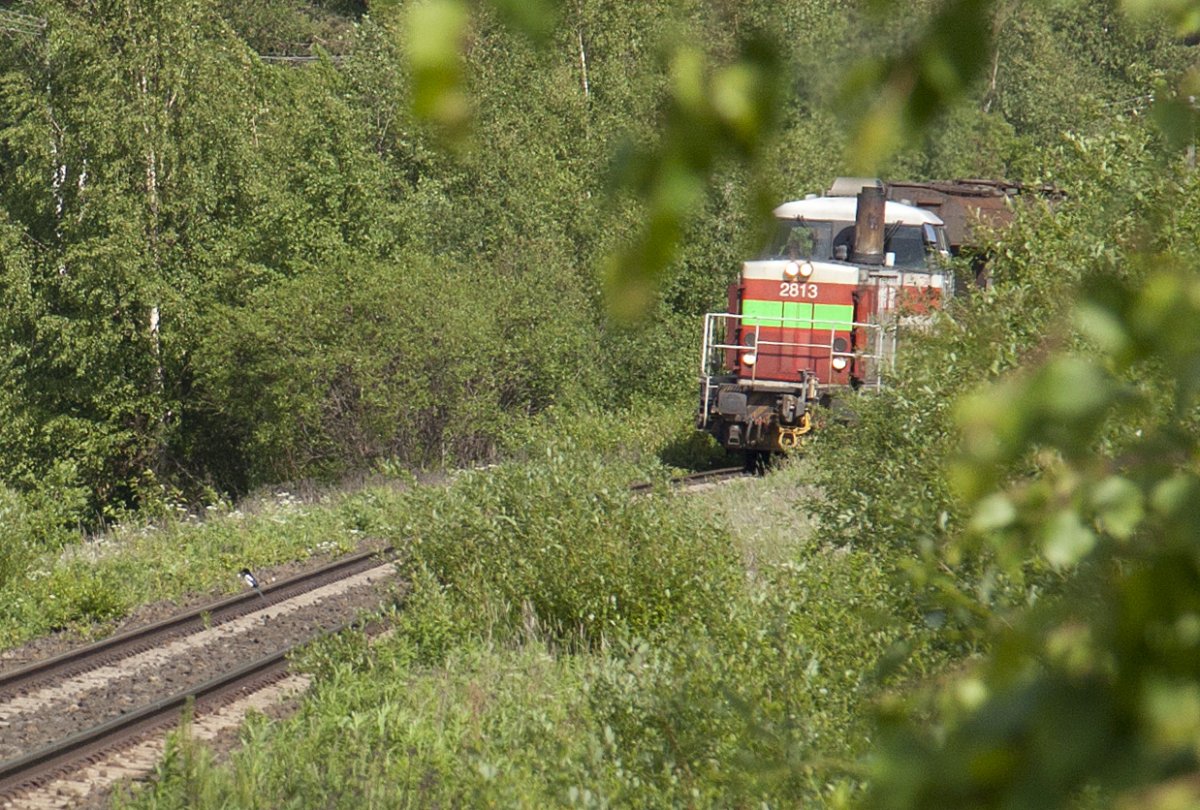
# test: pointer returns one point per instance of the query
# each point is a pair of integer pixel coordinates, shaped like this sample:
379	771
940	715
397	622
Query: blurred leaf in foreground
714	113
534	18
434	33
902	95
1184	15
1095	687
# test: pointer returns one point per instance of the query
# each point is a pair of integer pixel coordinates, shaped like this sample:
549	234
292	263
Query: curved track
26	687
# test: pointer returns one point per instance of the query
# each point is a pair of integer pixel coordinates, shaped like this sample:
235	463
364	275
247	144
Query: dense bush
1041	485
32	523
411	360
562	547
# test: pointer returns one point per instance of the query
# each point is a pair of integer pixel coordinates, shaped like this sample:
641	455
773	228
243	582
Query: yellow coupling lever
790	437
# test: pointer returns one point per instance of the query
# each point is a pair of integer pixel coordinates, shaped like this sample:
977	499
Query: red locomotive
818	314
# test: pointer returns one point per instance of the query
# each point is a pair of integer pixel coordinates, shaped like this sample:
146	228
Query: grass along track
118	763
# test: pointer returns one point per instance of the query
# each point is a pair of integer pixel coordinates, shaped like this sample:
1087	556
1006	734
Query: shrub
564	545
409	360
16	547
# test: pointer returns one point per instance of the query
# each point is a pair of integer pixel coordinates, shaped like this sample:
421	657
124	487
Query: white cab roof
843	209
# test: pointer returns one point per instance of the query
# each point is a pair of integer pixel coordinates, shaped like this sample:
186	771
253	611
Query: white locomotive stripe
844	210
830	273
823	272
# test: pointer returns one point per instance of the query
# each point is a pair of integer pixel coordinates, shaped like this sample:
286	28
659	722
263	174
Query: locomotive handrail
711	346
712	352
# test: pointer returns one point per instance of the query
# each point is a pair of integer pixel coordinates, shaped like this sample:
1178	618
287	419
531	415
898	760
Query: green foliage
292	27
80	597
932	74
711	114
581	559
140	181
715	113
30	523
219	272
692	450
1082	465
456	358
51	585
1112	696
493	727
969	143
436	29
1016	76
564	642
165	188
882	469
770	707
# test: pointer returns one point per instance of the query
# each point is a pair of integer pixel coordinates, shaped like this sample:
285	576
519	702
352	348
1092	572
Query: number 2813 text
794	289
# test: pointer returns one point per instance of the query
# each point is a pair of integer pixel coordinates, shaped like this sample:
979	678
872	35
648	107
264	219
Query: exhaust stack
869	227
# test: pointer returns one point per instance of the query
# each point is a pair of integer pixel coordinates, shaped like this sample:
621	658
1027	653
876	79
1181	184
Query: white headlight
749	358
806	269
791	270
840	363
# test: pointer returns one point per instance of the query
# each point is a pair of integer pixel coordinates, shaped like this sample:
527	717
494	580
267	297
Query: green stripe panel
833	316
796	312
761	313
817	316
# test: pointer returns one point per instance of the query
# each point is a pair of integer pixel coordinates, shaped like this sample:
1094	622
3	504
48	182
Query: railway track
153	635
693	480
18	775
73	709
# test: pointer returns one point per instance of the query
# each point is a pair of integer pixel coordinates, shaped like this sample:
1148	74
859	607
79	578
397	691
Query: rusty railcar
968	208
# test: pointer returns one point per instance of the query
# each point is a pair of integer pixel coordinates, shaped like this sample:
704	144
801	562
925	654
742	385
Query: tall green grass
567	643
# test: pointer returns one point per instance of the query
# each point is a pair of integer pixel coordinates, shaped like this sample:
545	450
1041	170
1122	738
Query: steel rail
25	771
694	479
87	657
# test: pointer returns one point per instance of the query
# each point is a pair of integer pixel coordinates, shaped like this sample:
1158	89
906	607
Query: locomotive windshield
908	243
800	239
825	241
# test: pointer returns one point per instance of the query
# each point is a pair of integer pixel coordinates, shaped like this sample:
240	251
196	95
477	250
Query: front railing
871	360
